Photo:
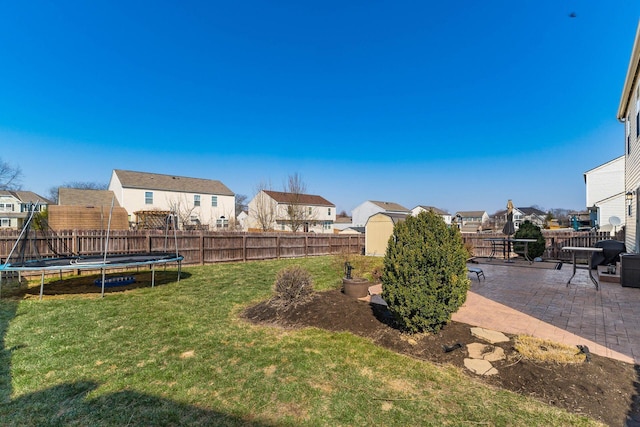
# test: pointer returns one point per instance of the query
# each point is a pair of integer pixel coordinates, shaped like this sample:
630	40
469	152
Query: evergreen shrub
529	230
425	275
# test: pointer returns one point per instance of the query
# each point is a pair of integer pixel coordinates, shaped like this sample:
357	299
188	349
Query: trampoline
24	257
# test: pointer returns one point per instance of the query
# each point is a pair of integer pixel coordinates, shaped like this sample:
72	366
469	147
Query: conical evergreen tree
425	274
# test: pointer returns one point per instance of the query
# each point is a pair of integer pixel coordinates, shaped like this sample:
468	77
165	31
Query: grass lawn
178	354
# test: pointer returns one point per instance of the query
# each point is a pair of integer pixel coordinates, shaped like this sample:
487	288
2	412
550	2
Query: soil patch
604	389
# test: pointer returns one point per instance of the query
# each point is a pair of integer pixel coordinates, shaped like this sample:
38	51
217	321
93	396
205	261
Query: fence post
244	247
201	243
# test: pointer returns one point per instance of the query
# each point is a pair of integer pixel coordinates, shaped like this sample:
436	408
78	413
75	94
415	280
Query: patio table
590	251
504	243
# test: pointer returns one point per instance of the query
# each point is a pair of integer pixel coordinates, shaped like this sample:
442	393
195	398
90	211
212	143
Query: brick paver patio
525	300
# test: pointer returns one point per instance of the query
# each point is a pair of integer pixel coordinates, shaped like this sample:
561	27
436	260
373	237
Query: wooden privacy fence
197	247
554	242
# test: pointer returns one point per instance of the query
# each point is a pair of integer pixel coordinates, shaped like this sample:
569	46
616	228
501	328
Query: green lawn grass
178	354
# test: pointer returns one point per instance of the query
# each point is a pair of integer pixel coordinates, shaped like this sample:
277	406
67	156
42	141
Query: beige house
629	114
15	207
197	202
281	211
378	230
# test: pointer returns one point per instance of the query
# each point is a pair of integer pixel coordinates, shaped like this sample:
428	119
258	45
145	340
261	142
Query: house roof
630	79
343	220
390	206
26	196
78	197
470	214
531	211
434	209
182	184
298	199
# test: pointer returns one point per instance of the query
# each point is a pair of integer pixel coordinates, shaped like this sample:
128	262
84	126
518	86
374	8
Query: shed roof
80	197
298	199
395	217
182	184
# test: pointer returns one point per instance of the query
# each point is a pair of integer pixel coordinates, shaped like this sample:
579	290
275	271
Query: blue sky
460	105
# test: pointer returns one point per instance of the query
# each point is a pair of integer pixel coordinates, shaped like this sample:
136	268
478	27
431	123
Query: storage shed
378	230
80	209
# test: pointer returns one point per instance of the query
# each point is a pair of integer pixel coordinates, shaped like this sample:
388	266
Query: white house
446	216
629	114
605	194
281	211
471	221
361	213
15	207
197	202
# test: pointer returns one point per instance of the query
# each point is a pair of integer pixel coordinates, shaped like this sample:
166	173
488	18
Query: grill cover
611	250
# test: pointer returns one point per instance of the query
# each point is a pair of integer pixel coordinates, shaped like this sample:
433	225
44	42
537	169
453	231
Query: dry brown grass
547	351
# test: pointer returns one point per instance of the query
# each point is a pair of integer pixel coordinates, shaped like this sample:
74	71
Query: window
329	211
148	197
310	210
327	225
6	207
5	222
196	200
222	222
214	201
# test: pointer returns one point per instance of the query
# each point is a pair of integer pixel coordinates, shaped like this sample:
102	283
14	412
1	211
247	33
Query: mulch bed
604	389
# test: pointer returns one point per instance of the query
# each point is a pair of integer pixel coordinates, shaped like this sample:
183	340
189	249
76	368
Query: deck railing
554	242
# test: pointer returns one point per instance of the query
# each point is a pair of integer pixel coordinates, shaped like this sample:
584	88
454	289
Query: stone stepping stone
480	367
481	351
488	335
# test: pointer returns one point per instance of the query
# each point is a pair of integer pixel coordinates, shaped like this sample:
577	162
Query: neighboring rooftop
434	209
390	206
298	199
26	196
155	181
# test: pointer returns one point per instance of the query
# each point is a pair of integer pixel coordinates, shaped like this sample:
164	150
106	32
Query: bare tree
297	212
241	203
183	210
263	208
10	176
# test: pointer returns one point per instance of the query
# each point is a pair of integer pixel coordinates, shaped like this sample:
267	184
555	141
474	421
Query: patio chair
478	271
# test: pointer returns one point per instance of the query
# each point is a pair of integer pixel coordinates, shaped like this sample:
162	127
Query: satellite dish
615	221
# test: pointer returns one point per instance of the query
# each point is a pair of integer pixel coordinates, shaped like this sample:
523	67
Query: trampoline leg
153	275
42	285
102	295
179	270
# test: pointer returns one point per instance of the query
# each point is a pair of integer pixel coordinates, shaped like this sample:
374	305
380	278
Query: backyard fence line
197	247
